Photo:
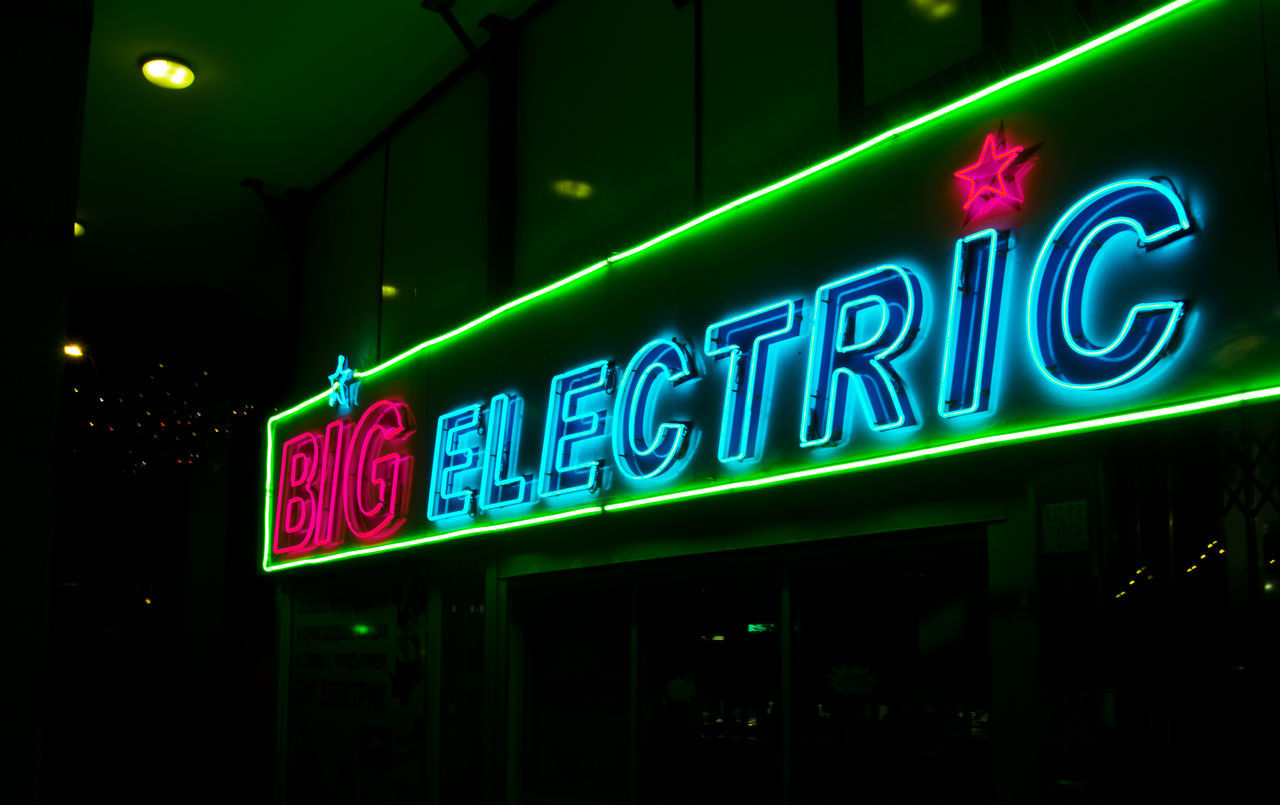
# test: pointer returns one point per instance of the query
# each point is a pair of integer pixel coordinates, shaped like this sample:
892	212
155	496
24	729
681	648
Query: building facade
866	402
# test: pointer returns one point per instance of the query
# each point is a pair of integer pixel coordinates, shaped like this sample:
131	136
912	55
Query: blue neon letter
457	451
499	484
567	425
836	358
1055	305
969	355
750	383
637	455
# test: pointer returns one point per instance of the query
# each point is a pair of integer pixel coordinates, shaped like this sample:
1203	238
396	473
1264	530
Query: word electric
356	478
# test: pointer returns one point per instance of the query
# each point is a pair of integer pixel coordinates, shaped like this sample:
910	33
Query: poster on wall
357	691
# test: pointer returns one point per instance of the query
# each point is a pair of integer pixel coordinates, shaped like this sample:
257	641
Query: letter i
969	355
330	483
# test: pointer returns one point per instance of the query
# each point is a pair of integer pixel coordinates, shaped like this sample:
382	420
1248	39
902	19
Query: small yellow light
1222	550
168	73
572	188
389	291
79	229
935	9
73	350
1131	581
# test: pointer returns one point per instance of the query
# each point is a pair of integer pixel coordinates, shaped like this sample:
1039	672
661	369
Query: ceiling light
73	350
572	188
168	73
936	9
79	230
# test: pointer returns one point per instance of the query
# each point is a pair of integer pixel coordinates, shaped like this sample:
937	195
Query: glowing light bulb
79	229
572	188
935	9
73	350
168	73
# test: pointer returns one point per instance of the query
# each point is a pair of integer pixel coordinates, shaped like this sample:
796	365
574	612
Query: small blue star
343	387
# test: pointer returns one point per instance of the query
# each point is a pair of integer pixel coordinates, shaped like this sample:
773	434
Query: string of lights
1211	551
161	416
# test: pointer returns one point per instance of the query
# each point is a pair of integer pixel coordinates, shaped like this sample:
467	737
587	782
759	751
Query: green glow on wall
969	445
897	458
879	139
412	541
492	314
908	126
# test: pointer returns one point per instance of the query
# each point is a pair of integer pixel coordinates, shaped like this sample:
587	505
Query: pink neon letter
378	470
330	481
296	502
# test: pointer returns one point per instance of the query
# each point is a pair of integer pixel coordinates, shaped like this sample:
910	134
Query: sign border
963	446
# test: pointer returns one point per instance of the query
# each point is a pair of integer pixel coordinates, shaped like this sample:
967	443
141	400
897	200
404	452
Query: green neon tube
912	455
969	445
412	541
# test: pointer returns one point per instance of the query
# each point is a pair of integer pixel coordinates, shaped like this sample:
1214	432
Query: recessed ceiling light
572	188
936	9
168	73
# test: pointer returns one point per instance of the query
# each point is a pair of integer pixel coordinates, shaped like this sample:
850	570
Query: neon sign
994	182
865	343
1055	308
749	385
848	358
361	472
977	279
637	453
839	356
343	387
576	414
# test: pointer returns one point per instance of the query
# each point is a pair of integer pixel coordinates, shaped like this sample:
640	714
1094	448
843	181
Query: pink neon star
986	177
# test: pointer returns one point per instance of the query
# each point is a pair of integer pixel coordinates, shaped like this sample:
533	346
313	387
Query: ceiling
285	91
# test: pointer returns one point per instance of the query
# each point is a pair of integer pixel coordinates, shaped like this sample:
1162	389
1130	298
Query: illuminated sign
343	387
348	480
808	332
996	178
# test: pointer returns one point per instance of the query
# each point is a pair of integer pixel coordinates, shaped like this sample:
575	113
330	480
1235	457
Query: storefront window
712	697
892	681
357	690
576	693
